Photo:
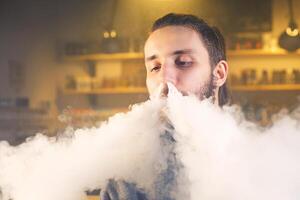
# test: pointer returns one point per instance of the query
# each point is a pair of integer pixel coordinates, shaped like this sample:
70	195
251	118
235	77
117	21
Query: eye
155	68
184	61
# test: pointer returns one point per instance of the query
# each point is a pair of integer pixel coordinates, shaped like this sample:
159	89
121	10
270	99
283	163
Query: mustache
164	90
207	91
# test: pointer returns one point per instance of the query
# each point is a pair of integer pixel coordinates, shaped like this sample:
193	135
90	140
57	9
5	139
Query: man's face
176	54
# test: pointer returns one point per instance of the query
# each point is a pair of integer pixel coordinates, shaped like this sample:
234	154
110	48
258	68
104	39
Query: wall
33	32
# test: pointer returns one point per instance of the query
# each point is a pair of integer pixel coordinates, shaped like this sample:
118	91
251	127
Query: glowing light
113	34
291	32
106	34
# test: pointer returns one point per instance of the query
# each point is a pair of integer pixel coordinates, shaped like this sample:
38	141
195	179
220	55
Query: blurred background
77	62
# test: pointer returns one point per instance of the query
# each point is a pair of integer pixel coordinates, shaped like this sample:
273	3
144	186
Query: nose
164	90
168	73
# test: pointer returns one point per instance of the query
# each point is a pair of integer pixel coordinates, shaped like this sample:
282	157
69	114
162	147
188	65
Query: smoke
63	168
226	157
219	155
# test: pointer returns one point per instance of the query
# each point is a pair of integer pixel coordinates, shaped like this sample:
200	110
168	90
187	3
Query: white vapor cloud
221	155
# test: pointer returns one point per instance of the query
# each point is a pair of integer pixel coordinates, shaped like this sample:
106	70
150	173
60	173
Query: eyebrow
178	52
153	57
183	51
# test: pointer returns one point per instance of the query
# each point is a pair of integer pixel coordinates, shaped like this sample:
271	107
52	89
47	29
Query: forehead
173	38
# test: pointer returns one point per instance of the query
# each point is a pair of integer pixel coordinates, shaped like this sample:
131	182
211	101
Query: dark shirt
165	182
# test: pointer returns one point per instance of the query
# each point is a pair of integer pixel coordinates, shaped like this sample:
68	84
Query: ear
220	73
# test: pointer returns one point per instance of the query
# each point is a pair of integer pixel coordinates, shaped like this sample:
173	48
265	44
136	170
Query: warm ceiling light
292	32
106	34
113	34
290	38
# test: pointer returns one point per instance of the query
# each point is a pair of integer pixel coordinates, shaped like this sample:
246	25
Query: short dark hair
209	35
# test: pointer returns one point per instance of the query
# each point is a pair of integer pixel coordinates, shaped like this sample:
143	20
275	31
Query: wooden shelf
141	90
140	56
277	87
107	56
261	52
118	90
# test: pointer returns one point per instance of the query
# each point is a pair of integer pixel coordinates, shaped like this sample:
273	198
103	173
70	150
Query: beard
205	91
208	89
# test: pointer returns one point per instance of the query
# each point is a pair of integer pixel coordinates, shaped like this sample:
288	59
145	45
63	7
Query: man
185	51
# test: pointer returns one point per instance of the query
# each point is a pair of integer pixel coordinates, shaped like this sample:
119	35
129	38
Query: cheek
151	84
194	79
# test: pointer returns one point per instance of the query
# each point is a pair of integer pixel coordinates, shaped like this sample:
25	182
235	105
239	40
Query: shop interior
72	64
